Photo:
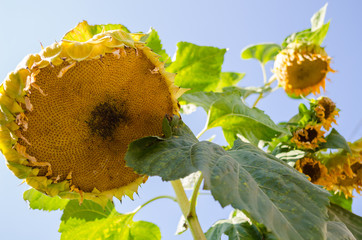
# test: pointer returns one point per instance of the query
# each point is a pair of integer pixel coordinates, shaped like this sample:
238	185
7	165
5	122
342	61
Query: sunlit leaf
153	41
336	141
263	52
38	200
90	221
352	221
87	211
341	200
115	226
228	79
317	19
228	111
244	177
197	67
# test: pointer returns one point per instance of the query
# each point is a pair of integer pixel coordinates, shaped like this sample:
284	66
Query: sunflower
308	137
326	112
302	68
68	113
346	168
316	172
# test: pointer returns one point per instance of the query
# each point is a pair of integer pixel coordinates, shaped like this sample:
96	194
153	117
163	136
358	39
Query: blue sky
224	24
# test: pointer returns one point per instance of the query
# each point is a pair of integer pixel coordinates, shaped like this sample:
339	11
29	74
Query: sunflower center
313	171
105	118
328	105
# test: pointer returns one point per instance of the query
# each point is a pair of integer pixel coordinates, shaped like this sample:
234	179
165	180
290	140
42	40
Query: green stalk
184	204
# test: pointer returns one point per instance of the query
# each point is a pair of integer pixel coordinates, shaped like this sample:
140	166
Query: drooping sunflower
346	168
326	112
308	137
301	68
68	113
314	169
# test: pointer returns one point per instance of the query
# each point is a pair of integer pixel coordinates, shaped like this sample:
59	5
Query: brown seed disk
84	120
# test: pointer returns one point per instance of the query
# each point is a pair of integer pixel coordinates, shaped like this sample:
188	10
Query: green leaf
153	41
263	52
115	226
341	200
244	177
38	200
197	67
338	231
165	157
228	111
308	36
336	141
236	227
228	79
87	211
245	92
90	221
352	221
317	19
83	31
247	178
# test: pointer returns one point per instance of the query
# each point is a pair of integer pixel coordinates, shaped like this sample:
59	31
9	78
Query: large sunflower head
326	112
301	68
68	113
308	137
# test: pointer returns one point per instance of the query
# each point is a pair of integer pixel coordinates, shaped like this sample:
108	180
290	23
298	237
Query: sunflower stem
184	204
195	194
154	199
264	73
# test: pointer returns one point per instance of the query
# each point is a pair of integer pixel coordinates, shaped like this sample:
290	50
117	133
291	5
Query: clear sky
225	24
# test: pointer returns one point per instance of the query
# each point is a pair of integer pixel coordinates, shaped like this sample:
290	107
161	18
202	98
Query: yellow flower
326	112
308	137
346	169
68	113
302	68
317	172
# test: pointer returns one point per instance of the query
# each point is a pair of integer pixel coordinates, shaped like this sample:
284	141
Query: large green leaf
197	67
317	19
83	31
262	52
338	231
228	111
153	41
91	221
244	177
38	200
236	227
247	178
335	140
352	221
